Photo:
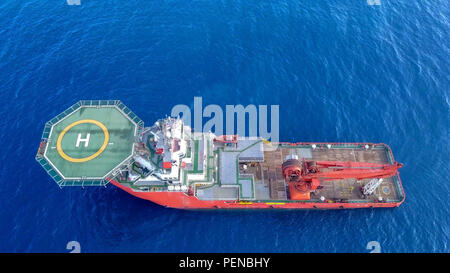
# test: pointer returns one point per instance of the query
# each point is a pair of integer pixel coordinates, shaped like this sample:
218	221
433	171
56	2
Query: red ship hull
181	200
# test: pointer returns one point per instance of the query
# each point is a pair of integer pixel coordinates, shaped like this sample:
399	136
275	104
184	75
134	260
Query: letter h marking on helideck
85	140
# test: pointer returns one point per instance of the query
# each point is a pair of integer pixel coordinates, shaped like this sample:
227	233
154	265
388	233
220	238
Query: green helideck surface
121	138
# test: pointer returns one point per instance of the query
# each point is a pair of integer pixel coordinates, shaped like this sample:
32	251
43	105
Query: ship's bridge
88	142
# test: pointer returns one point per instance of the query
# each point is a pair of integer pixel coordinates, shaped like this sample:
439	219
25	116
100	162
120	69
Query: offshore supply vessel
94	143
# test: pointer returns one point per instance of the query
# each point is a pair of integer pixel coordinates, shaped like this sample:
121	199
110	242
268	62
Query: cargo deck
271	185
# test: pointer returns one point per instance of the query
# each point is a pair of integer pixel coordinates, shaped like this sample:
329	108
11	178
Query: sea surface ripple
341	70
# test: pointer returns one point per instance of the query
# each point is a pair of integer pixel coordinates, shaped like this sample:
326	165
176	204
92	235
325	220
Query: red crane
305	175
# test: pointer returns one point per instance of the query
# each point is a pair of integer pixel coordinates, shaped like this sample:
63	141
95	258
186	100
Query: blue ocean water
341	70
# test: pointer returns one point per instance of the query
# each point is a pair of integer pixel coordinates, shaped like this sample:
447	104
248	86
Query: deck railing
47	130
